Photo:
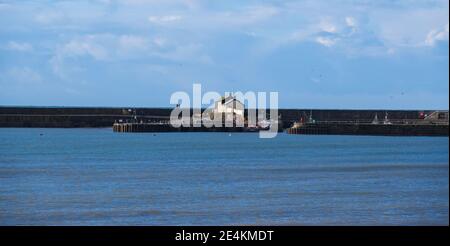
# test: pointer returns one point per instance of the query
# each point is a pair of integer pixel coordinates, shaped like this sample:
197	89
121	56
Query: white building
229	108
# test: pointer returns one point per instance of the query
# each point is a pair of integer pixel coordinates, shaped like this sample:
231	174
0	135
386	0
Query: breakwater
326	121
74	117
371	129
106	116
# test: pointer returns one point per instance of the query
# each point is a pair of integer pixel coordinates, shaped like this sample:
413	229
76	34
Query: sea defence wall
154	127
371	129
76	116
106	117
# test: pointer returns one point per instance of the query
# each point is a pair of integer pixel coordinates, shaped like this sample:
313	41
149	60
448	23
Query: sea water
97	177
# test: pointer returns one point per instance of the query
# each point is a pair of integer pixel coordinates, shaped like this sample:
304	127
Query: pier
432	124
155	127
370	129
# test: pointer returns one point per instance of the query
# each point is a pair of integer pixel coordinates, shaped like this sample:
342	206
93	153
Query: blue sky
316	54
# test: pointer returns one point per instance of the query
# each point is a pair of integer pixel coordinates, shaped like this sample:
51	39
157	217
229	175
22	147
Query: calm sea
97	177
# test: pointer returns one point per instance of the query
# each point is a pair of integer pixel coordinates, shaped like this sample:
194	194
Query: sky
331	54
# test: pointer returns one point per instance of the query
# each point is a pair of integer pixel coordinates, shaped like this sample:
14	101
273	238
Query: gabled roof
229	99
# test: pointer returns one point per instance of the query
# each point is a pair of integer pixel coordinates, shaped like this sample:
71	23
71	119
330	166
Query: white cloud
350	21
328	31
409	28
391	51
85	47
119	48
204	19
160	41
328	42
192	52
228	20
192	25
249	15
327	26
19	46
164	19
93	46
363	28
133	42
48	17
437	35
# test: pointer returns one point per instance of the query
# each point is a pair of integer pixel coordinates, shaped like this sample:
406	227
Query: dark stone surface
105	117
371	129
